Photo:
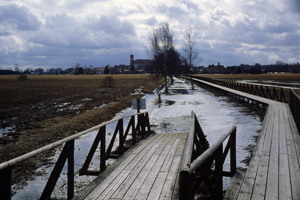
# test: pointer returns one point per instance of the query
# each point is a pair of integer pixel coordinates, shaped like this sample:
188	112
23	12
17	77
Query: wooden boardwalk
149	170
274	169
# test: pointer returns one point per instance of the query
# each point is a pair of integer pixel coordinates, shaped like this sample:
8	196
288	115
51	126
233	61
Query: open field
44	109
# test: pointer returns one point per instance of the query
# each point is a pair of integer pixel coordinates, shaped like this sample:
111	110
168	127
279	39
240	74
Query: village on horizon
141	66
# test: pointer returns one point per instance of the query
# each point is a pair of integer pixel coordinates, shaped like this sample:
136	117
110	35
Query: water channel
216	114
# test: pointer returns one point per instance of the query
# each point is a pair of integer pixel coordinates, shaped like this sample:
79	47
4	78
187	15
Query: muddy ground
44	109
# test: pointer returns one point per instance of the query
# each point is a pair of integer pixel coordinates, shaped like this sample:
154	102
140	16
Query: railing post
71	169
5	183
262	91
143	125
233	153
121	137
102	149
275	93
147	122
133	130
67	150
184	185
219	172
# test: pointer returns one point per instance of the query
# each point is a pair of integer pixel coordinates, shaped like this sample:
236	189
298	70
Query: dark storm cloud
18	17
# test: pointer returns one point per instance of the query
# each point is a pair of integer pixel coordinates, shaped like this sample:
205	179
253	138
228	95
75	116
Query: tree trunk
166	84
192	83
158	94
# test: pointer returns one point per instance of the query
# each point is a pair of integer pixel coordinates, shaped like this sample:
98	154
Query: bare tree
190	51
161	42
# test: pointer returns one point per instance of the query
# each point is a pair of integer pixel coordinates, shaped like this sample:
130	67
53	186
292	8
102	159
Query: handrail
295	107
204	156
248	88
68	154
60	142
198	158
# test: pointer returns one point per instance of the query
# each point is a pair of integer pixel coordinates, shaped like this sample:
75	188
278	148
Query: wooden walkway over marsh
149	170
274	169
173	165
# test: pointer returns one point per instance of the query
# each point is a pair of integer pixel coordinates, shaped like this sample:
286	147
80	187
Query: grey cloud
112	25
171	11
19	17
278	26
152	21
190	5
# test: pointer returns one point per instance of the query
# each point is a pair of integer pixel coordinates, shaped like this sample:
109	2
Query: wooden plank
284	173
107	176
171	178
150	179
179	152
134	188
169	159
235	185
272	181
163	143
145	142
157	186
138	166
292	155
259	189
295	133
111	181
249	180
117	164
284	178
112	186
146	149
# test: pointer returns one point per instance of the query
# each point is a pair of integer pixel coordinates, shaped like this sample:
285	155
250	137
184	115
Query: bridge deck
149	170
274	169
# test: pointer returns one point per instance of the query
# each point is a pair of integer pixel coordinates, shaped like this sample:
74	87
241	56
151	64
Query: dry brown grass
34	107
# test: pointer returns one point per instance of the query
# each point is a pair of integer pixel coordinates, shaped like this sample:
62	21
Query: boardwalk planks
274	169
147	171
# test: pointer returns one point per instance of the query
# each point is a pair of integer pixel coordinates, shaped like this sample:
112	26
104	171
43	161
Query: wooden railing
274	93
295	107
197	162
68	154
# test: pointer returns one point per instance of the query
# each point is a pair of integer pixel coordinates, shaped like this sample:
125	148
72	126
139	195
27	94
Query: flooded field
216	114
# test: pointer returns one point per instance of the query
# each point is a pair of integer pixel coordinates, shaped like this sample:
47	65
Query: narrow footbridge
274	169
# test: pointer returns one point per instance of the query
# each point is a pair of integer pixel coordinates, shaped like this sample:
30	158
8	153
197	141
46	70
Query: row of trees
167	61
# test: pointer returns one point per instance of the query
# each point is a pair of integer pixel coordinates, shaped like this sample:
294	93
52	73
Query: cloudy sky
61	33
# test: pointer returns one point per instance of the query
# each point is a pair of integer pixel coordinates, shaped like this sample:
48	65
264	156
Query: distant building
139	64
38	71
215	69
70	70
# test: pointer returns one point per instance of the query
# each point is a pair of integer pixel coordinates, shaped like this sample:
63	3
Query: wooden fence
197	162
68	154
274	93
295	107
